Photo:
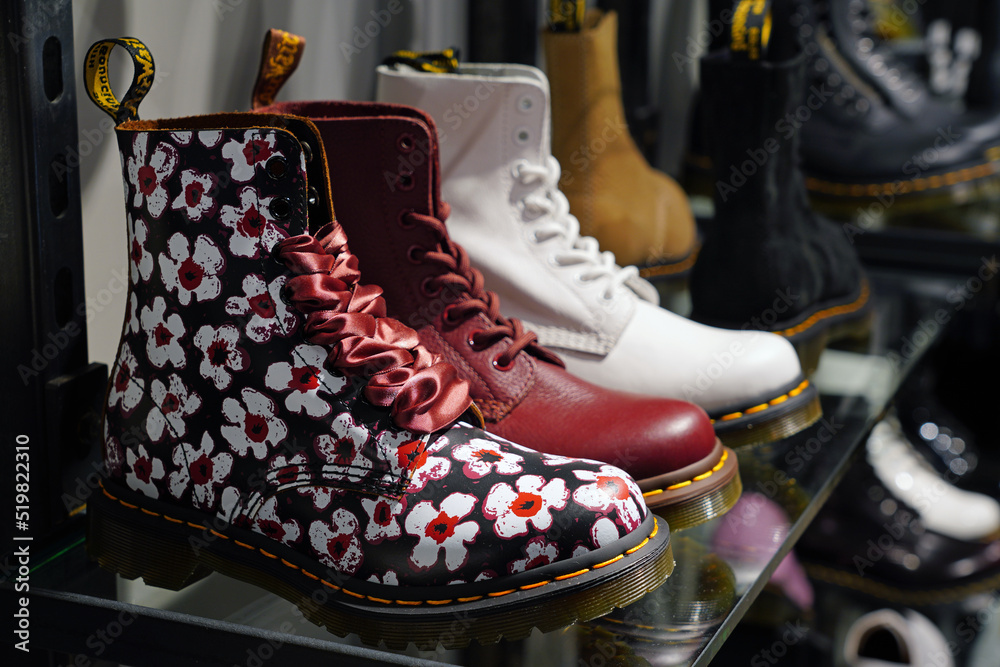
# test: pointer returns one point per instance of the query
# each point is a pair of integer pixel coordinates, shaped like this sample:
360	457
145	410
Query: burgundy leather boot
383	163
266	420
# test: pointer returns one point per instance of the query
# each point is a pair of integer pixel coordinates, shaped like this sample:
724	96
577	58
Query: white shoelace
554	221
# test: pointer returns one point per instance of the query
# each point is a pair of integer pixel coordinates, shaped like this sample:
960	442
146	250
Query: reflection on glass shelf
722	566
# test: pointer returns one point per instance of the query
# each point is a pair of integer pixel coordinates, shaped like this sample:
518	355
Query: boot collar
504	108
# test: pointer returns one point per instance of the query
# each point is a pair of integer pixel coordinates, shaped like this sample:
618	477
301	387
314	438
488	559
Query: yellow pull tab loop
98	83
281	54
751	29
566	15
438	62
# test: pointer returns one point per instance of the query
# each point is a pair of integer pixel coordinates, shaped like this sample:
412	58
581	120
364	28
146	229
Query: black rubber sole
172	547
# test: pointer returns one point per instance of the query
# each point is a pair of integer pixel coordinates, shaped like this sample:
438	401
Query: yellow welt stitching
499	593
610	561
638	546
774	401
528	587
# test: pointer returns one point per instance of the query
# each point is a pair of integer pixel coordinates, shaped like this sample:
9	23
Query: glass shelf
722	566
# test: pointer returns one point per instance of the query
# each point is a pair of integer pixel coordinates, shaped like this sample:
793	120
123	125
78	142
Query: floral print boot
266	420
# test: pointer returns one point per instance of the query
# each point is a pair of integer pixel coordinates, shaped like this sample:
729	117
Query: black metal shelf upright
51	393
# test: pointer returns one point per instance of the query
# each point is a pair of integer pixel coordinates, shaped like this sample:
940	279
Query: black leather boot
879	138
768	262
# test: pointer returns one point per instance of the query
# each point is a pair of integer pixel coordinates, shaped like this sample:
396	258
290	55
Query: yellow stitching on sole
774	401
609	562
652	534
703	476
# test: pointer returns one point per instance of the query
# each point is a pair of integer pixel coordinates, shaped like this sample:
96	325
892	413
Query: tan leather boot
633	210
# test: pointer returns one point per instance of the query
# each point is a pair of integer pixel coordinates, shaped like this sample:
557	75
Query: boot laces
467	283
553	224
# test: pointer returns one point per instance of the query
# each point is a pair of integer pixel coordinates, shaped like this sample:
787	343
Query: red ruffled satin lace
424	394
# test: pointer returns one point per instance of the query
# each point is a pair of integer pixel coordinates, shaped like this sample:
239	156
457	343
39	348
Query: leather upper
638	213
623	342
534	400
225	400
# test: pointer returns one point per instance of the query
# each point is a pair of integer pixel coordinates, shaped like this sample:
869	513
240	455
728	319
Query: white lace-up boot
501	180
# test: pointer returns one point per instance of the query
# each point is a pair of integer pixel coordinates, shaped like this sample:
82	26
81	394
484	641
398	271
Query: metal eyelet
307	151
280	208
447	318
525	103
313	197
471	340
276	167
522	136
406	181
416	254
401	218
500	367
405	142
427	290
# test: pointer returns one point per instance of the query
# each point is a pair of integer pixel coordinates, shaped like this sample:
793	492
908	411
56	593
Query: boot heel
159	554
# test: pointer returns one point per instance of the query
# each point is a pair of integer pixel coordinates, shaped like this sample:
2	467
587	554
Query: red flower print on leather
611	489
336	543
254	232
221	356
143	471
383	518
428	468
255	148
482	457
304	381
321	495
114	457
125	388
390	578
209	138
512	509
538	551
149	173
442	529
200	468
140	260
269	521
253	426
341	450
163	335
263	309
195	199
192	273
132	314
604	532
172	405
284	470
